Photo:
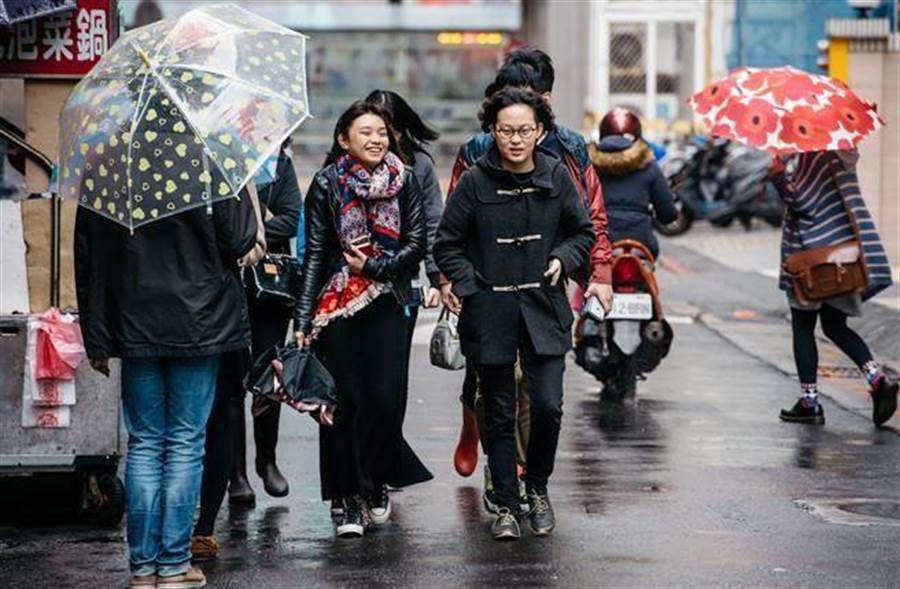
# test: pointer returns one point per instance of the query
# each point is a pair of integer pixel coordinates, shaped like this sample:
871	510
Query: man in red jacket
533	68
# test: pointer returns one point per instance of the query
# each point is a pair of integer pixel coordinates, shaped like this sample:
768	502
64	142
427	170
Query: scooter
720	181
633	338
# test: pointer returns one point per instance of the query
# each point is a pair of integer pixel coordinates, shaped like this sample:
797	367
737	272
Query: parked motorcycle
634	337
720	181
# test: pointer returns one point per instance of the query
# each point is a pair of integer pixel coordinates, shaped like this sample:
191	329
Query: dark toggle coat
494	243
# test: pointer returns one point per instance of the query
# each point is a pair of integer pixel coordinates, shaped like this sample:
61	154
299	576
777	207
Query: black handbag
275	279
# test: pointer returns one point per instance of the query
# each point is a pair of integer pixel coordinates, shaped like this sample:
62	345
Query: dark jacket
169	290
634	189
495	242
323	248
433	201
283	199
571	149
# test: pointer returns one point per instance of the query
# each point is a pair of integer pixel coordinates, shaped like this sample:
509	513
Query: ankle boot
239	490
465	459
265	432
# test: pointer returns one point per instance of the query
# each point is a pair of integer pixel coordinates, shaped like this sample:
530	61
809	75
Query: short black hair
510	96
539	61
516	75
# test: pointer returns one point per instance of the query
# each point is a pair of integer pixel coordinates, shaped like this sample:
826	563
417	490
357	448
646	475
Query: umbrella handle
145	57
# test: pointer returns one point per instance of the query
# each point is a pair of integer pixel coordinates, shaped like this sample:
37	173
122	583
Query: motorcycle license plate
631	306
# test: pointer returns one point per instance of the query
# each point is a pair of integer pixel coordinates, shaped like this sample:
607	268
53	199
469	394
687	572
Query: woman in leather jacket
365	238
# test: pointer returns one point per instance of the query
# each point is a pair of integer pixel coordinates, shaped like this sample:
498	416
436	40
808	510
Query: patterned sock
810	396
873	373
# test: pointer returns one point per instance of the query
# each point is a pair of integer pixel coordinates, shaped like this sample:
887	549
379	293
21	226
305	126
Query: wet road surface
694	484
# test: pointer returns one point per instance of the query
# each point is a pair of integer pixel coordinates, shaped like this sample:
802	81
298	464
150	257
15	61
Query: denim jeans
166	404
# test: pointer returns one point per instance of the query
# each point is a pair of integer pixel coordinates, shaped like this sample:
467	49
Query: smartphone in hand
593	309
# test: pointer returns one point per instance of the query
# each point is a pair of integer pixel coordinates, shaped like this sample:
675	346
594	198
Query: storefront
649	56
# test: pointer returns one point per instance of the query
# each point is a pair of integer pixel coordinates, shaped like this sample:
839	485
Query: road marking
680	319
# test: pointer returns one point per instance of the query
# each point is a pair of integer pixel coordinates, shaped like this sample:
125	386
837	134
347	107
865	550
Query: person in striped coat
820	195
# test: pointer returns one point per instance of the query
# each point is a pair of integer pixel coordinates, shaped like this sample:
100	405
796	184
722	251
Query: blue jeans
166	402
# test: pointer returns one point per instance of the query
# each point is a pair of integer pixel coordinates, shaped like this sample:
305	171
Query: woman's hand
451	301
253	256
603	292
776	167
554	271
432	298
300	339
356	259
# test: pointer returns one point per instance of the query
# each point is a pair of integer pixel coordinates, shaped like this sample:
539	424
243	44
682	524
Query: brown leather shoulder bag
825	272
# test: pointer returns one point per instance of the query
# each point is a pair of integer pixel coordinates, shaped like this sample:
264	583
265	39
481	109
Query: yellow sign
460	38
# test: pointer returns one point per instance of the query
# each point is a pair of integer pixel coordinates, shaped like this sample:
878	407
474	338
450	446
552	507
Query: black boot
803	412
265	432
239	490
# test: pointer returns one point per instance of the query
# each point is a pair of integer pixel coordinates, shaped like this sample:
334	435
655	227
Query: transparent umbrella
181	113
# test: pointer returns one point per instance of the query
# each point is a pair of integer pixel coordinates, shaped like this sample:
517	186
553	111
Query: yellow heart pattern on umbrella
181	112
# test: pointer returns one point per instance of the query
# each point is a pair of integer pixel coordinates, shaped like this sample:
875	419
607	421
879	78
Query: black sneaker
379	506
506	526
541	515
884	400
352	523
802	412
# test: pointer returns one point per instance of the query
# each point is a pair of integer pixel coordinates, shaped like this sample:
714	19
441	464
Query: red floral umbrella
785	110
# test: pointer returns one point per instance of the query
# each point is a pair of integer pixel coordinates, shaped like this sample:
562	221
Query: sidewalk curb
837	395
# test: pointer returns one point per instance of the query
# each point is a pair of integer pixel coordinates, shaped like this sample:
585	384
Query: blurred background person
225	457
281	201
634	188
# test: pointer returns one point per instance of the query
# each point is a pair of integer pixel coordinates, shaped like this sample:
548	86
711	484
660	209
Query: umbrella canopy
295	377
181	113
13	11
785	110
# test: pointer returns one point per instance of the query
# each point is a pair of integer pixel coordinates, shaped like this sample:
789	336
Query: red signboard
62	45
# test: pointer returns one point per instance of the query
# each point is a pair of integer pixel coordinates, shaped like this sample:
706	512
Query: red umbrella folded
785	110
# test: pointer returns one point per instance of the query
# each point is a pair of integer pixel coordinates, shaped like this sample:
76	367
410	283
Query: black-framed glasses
508	133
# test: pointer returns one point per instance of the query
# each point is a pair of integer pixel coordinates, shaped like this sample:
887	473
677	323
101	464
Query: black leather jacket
323	247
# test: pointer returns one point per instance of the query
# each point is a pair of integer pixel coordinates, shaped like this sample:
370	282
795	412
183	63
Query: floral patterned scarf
367	210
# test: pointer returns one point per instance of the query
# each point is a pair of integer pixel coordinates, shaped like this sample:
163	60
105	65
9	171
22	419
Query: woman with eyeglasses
513	229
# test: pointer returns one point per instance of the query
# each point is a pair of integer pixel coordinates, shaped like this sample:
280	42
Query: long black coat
323	247
495	242
171	289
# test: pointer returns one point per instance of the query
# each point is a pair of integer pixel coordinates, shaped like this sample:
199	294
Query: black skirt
367	355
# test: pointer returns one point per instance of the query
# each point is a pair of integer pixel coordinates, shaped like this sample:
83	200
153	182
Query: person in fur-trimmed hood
634	188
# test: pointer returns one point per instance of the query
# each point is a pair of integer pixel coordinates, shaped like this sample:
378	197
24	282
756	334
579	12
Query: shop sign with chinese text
63	45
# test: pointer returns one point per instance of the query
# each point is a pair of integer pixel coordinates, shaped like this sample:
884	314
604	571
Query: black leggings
269	327
834	324
219	447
